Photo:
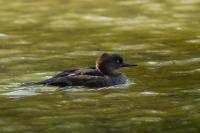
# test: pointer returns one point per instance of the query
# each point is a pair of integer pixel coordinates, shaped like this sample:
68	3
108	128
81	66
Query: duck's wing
83	71
89	72
65	73
72	77
80	80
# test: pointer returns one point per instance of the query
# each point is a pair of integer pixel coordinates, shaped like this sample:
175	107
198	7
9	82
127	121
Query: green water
39	38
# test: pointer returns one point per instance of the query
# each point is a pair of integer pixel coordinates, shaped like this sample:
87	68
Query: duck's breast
121	79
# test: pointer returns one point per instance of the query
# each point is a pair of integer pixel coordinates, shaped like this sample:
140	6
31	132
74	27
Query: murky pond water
41	38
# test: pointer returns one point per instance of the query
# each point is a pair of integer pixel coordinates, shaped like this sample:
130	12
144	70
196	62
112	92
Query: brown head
109	63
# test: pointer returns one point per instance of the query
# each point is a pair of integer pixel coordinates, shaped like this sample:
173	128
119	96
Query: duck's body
102	75
89	77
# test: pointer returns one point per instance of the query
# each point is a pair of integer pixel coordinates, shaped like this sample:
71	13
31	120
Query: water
41	38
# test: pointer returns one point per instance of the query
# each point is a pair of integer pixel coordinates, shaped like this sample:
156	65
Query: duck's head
109	63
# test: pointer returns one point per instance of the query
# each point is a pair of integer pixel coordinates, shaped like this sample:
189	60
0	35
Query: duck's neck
109	71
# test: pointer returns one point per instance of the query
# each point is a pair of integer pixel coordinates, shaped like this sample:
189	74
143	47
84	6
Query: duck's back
89	77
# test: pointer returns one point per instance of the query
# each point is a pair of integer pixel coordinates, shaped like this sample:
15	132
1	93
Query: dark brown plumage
104	74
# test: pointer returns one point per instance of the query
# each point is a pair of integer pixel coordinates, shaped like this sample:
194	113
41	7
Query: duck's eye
118	61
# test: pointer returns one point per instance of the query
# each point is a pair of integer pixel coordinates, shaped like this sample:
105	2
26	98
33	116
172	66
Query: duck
104	74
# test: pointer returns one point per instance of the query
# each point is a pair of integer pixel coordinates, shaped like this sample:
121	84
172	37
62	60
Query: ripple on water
153	112
130	47
177	62
121	23
22	42
133	94
123	46
97	18
192	91
188	71
194	41
152	62
81	88
13	91
62	24
149	93
13	59
84	53
179	28
24	21
185	6
187	61
146	119
3	35
7	52
131	3
100	10
20	93
127	3
84	100
160	51
113	95
134	23
187	107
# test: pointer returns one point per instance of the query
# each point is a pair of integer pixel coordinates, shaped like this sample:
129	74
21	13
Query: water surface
41	38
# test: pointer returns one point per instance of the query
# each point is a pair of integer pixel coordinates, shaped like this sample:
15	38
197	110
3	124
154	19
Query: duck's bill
128	65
